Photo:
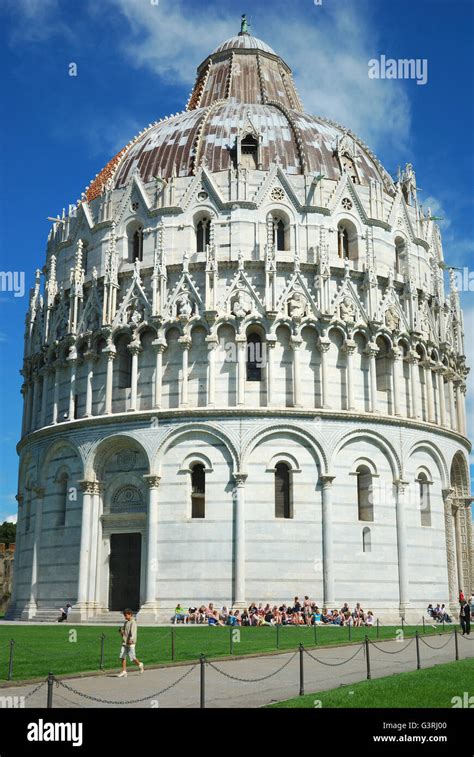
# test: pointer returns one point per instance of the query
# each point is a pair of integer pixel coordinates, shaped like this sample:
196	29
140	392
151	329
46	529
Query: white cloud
332	77
36	20
11	519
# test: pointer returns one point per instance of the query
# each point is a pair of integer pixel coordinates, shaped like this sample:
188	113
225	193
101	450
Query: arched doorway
460	503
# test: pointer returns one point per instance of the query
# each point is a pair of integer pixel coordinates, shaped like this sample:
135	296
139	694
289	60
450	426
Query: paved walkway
344	665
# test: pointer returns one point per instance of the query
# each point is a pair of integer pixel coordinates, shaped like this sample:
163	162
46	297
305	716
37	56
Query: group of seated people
297	613
439	613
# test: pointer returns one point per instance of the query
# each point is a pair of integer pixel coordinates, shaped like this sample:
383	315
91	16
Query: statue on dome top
244	27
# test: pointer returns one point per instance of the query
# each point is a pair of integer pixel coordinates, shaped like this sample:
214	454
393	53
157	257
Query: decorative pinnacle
244	26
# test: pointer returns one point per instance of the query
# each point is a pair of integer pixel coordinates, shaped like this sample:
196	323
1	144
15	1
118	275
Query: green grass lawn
433	687
64	649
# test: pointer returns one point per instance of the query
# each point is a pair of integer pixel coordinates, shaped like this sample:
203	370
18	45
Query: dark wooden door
125	559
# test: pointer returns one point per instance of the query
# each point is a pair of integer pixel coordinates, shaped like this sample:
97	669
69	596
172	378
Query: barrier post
10	662
367	657
278	636
423	619
301	671
378	628
315	634
49	704
172	644
350	631
456	649
202	661
231	641
417	641
102	644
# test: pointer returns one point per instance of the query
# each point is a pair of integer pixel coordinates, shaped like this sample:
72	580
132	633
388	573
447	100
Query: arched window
348	167
283	498
366	540
343	243
203	234
279	232
124	364
198	491
254	357
399	254
249	152
365	493
137	245
424	494
63	491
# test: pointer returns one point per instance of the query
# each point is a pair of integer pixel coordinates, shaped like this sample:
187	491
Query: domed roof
243	87
244	41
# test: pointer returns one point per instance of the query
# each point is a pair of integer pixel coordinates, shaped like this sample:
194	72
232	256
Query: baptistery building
244	379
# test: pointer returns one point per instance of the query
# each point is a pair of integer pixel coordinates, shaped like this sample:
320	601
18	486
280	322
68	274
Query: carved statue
392	319
347	310
184	306
297	305
238	307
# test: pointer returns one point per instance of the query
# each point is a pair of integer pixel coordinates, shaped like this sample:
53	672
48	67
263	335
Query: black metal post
278	636
403	621
49	704
202	661
423	619
301	671
10	663
378	628
102	644
172	643
231	641
417	641
443	624
367	657
315	634
350	631
456	648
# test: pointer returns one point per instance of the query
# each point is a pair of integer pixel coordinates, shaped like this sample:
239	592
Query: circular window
346	204
203	196
277	194
135	206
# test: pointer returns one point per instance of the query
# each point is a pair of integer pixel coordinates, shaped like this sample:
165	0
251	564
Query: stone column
34	411
212	344
450	551
111	353
151	603
429	391
323	346
79	610
397	363
459	413
296	347
17	563
457	536
452	407
372	351
94	553
29	403
349	349
403	586
24	392
441	397
134	348
32	606
241	341
57	377
414	381
463	408
269	368
328	554
44	396
160	346
89	357
185	343
72	360
239	568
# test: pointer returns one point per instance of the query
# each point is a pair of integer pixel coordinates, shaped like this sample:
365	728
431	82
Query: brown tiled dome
242	82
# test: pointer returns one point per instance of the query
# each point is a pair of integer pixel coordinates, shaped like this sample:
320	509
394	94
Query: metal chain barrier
27	696
333	664
387	651
432	647
124	701
251	680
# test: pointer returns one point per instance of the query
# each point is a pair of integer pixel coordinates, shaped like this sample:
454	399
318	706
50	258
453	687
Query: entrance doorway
125	560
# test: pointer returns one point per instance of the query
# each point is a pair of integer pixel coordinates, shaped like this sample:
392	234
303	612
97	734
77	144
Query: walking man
129	639
465	618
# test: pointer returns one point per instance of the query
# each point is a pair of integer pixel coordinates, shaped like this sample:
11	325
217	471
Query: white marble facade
239	319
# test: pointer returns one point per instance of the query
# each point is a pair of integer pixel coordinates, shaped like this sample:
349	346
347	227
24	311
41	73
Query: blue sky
136	61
